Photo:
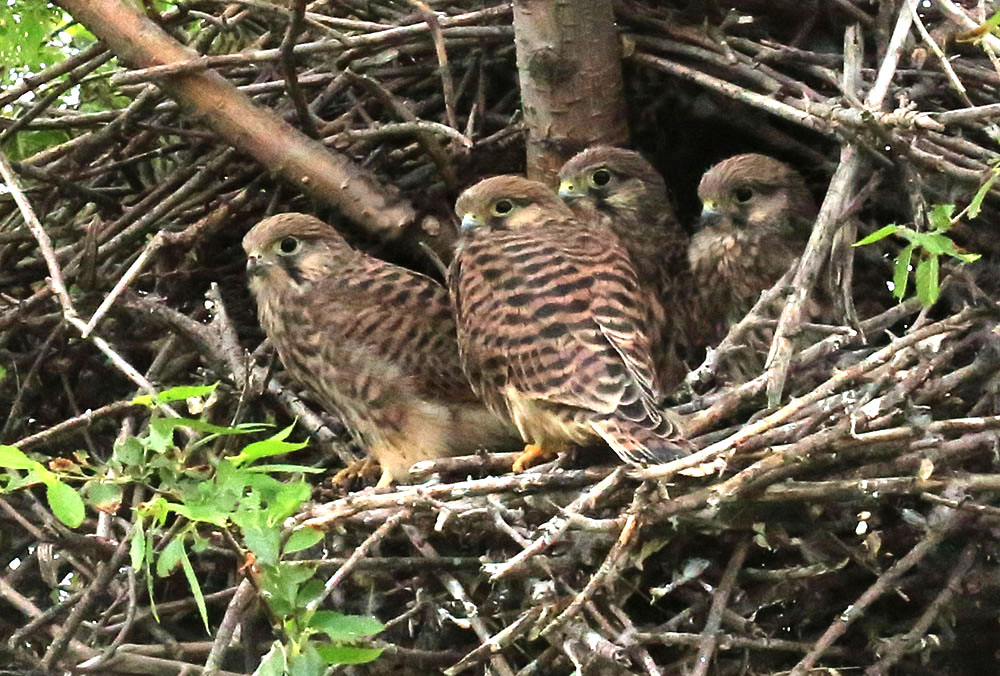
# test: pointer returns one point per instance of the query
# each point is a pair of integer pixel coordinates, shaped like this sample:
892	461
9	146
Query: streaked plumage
374	342
552	326
756	218
619	190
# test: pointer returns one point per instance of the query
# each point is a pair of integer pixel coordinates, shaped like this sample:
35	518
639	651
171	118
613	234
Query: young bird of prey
374	342
619	190
756	217
552	326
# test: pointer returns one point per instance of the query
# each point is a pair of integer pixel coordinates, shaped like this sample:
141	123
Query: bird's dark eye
502	207
288	245
601	177
743	193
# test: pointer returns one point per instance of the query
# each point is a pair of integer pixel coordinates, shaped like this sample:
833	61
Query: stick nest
847	526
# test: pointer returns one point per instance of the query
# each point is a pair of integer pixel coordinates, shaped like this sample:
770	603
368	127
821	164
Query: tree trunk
569	63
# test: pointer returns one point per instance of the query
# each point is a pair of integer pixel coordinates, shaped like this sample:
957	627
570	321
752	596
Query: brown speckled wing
403	317
556	315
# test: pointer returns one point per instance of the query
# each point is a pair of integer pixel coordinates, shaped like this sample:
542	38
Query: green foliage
239	494
989	27
929	247
25	30
34	35
64	502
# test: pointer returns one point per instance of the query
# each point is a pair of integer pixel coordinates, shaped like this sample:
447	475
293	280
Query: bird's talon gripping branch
361	469
531	453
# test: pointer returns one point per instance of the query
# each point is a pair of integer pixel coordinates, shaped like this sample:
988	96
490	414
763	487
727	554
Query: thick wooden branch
276	145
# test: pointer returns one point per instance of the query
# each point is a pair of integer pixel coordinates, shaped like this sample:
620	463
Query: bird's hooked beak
709	214
470	220
255	266
570	190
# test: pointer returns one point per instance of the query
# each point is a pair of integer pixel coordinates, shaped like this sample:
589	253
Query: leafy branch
240	495
929	247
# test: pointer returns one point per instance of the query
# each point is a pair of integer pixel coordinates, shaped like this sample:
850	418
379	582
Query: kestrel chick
756	217
619	190
374	342
552	326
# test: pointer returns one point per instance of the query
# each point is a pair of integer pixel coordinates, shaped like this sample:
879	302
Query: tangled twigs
720	598
896	647
613	562
129	218
943	521
553	530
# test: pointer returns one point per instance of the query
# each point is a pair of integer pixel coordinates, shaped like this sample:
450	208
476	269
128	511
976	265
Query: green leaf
881	233
301	539
179	393
310	590
263	539
170	556
941	215
281	585
342	654
161	430
104	496
274	445
901	272
185	392
967	257
3	373
936	243
992	22
977	201
13	458
149	577
288	500
129	452
273	663
65	503
928	289
271	469
199	598
307	663
344	628
137	548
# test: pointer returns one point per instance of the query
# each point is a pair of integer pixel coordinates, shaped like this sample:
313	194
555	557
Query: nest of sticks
847	525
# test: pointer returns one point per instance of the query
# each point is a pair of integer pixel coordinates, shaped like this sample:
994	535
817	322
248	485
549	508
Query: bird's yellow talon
385	480
361	469
531	453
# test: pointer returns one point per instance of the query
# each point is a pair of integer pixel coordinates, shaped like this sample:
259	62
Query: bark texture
569	64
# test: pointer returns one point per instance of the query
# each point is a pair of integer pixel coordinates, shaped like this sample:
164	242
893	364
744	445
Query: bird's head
291	251
754	194
509	203
615	181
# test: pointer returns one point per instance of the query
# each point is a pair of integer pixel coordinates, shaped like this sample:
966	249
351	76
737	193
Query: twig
457	592
895	649
720	599
556	526
295	21
613	562
58	287
942	59
359	553
827	388
496	643
238	605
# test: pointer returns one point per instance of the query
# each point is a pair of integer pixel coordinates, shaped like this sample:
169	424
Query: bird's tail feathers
638	445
